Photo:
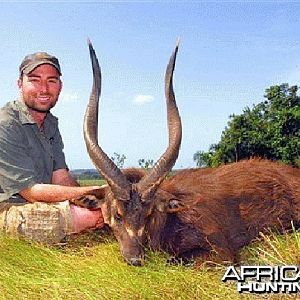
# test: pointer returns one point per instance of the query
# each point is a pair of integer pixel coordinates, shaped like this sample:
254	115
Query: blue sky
230	53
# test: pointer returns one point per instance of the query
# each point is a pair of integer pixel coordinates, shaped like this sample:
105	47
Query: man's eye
53	81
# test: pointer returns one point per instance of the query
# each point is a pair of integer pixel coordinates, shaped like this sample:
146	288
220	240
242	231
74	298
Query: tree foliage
118	159
271	129
146	163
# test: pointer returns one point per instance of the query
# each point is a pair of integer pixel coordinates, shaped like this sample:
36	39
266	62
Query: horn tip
89	42
178	41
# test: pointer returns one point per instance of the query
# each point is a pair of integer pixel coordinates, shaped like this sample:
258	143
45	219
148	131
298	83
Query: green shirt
28	155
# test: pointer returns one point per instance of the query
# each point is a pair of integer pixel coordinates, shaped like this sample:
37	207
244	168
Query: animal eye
118	217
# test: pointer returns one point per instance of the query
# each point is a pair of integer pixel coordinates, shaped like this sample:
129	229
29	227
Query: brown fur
228	206
206	213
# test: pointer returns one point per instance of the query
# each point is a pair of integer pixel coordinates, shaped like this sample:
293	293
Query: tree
202	159
271	129
146	163
118	159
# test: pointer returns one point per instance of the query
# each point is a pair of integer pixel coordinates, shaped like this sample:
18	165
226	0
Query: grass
86	182
90	266
91	269
275	249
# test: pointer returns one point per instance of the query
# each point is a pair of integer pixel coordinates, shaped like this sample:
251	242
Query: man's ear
167	202
19	83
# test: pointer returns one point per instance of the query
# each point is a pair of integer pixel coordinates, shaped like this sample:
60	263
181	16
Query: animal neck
162	231
155	229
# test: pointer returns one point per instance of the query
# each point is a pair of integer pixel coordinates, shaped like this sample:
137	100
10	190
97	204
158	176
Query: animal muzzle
133	252
135	261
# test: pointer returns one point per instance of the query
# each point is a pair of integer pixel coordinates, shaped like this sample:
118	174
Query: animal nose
135	261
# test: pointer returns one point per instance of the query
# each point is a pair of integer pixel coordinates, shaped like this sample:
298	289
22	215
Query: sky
230	52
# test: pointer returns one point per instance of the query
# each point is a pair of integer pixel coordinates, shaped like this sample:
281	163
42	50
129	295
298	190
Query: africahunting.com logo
264	279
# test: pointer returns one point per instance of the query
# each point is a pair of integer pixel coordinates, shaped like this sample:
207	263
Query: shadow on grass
88	239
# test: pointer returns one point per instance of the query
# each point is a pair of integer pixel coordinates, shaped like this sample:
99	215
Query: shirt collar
24	115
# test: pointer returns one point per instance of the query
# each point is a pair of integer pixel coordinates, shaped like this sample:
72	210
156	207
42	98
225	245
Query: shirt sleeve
58	154
16	166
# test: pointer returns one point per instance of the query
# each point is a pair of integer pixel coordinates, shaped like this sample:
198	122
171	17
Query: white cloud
69	96
142	99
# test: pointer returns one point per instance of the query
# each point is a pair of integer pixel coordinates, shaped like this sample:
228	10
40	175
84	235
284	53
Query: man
34	179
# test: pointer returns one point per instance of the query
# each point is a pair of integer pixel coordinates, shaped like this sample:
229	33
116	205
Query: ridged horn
149	184
106	167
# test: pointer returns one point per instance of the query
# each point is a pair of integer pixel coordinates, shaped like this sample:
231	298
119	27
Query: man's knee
43	222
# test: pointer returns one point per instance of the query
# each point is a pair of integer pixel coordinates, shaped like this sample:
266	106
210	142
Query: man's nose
44	87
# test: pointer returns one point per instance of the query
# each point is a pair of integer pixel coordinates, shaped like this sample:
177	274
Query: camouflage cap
32	61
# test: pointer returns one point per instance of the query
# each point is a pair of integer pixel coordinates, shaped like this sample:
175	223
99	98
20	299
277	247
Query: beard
34	104
36	108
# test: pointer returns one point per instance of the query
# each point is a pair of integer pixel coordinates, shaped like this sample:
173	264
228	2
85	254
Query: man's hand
84	219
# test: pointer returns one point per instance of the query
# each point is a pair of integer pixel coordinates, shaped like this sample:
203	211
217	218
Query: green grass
90	266
275	249
92	269
86	182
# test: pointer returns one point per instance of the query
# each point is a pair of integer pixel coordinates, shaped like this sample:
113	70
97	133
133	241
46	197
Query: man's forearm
63	177
54	193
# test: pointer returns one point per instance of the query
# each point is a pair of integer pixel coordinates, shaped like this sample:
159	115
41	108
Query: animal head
133	196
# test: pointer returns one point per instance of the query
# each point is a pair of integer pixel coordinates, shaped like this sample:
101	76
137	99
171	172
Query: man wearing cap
34	179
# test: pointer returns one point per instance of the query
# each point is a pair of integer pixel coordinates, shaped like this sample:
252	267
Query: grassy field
90	269
87	182
89	266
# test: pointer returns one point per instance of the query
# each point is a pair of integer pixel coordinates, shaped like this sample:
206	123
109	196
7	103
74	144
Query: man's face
40	88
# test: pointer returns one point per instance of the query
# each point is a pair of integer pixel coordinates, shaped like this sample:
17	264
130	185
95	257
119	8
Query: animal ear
174	205
167	202
99	193
170	206
91	200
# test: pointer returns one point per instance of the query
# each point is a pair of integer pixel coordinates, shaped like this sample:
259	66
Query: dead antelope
204	213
